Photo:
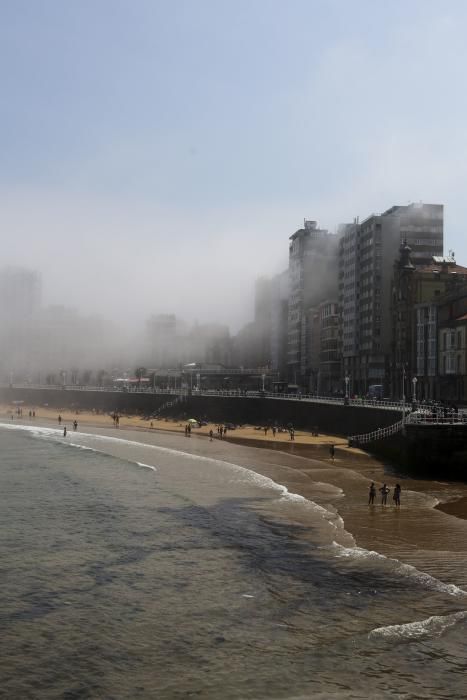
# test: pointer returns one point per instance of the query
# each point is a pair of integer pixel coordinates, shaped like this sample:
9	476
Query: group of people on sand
384	491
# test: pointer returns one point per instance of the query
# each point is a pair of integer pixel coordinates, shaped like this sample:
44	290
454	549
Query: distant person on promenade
372	494
274	431
397	495
64	431
384	494
210	435
332	452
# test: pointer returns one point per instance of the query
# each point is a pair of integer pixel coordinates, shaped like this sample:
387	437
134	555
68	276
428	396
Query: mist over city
156	161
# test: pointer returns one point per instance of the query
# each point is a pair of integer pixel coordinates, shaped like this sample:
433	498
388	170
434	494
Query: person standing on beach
273	431
384	494
397	495
210	435
292	434
59	419
332	452
64	431
372	494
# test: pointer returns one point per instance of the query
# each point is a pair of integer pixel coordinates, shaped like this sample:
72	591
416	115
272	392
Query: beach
430	511
143	563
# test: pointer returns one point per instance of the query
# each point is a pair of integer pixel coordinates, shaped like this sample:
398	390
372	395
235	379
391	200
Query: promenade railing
379	434
437	418
184	391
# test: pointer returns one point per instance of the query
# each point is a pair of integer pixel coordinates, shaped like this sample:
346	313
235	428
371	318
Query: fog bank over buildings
355	307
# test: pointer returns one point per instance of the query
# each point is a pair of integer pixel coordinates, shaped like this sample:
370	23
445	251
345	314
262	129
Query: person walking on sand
210	435
64	431
332	452
59	419
384	494
397	495
372	494
75	425
274	431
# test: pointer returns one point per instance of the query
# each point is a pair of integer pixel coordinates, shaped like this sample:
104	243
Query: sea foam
399	568
433	626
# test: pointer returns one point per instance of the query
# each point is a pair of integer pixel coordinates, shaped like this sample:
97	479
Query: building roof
448	259
441	264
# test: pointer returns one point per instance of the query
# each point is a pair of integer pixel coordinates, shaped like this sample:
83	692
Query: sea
137	565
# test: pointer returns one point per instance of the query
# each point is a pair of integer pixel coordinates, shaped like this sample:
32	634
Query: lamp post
403	397
263	377
198	381
347	380
414	390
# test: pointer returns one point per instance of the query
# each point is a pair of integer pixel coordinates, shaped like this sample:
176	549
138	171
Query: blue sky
165	150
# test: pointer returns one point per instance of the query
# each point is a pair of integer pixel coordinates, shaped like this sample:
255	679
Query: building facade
367	253
312	279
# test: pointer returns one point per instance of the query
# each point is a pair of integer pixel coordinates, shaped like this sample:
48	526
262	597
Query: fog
156	158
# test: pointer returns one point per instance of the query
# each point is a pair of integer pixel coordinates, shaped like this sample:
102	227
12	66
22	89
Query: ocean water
162	570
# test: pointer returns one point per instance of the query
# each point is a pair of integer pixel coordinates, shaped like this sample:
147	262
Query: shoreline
433	515
305	445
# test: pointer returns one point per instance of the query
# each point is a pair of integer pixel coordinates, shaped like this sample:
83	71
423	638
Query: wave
332	518
399	568
58	433
147	466
433	626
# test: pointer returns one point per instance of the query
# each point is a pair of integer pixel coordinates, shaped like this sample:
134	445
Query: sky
156	156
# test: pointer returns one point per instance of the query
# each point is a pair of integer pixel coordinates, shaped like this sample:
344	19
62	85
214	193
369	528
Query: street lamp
263	377
347	380
403	397
414	390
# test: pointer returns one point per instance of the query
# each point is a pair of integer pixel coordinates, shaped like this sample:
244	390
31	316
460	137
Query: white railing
437	418
313	398
378	434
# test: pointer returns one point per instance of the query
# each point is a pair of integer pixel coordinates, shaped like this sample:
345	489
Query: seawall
335	419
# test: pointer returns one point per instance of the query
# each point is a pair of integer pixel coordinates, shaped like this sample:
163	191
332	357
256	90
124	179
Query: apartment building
367	253
312	279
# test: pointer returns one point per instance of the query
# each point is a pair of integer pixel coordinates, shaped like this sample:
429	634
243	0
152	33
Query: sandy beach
303	466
